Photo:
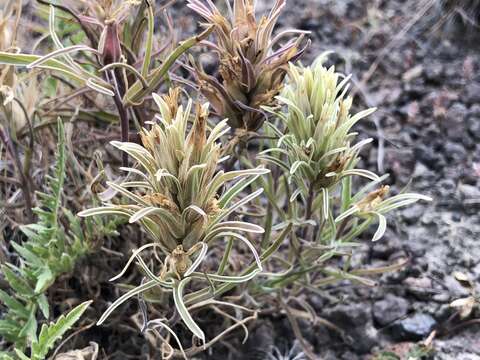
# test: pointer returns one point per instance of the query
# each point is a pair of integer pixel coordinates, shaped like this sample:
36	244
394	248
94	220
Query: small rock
339	8
476	273
455	121
469	191
414	328
473	126
441	298
472	93
363	339
412	214
355	320
420	287
421	171
383	250
474	110
416	245
454	288
431	158
455	152
446	188
434	72
412	73
388	310
350	356
346	316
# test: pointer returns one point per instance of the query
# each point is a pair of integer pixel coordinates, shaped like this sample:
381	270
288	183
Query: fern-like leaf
53	332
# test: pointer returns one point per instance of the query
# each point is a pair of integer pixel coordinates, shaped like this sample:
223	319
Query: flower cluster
317	141
251	67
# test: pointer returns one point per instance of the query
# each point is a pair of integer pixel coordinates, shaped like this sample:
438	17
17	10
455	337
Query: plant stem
308	212
342	227
296	328
204	294
12	149
122	111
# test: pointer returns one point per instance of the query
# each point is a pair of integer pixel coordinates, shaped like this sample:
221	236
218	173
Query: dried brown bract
251	66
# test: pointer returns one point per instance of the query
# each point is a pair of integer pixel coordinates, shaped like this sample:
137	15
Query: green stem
357	231
149	44
226	256
309	212
122	111
136	93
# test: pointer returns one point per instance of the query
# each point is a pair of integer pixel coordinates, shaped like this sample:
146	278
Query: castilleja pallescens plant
317	154
252	64
176	199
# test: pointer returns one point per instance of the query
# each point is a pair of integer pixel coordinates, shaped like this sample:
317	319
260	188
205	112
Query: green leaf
138	290
51	84
234	190
5	356
17	283
136	92
44	280
53	332
183	311
106	210
21	355
8	326
29	330
25	253
14	305
227	279
43	305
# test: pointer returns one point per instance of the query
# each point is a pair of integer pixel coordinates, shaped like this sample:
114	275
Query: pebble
472	93
455	121
388	310
420	287
414	328
413	214
434	72
473	126
355	320
454	288
469	191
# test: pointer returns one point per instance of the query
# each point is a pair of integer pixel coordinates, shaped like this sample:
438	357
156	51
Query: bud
109	44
